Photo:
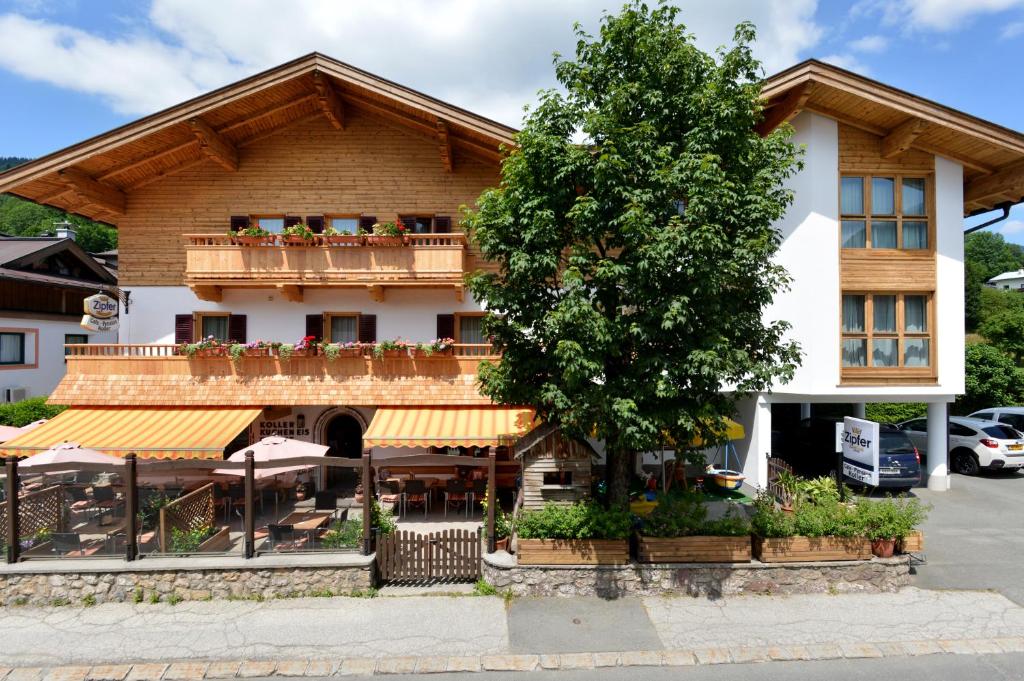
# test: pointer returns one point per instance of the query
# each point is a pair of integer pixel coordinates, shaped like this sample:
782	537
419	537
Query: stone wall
705	580
53	587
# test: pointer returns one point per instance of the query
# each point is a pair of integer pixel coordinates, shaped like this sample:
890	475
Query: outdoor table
306	521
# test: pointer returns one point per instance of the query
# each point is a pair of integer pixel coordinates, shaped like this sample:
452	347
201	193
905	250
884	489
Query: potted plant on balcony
298	235
332	351
391	348
207	347
438	347
387	234
253	235
333	237
305	347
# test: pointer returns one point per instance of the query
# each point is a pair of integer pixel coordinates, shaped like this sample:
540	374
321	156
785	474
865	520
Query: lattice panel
191	512
41	510
775	467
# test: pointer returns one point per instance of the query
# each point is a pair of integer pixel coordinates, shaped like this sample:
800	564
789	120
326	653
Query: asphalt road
927	668
974	535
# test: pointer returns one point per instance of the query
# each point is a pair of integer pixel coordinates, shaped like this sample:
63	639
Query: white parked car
1014	416
974	444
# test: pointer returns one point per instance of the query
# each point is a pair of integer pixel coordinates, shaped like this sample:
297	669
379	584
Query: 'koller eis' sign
860	450
100	313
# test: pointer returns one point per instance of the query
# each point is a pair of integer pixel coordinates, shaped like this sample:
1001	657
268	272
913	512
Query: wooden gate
446	556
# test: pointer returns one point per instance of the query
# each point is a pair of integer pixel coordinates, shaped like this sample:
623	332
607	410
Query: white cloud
848	62
870	43
1012	30
489	57
936	15
1011	227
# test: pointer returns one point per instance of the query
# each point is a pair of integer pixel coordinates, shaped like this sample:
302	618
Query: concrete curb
368	666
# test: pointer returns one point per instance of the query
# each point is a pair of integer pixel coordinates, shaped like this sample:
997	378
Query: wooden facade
556	469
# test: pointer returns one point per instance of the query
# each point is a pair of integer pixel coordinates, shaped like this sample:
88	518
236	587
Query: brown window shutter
367	222
315	326
367	328
446	326
442	224
184	328
292	220
237	324
316	223
239	222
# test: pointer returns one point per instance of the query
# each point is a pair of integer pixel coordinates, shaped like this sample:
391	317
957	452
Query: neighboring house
43	282
873	243
1013	281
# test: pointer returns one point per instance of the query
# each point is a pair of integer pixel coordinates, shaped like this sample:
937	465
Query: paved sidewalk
323	637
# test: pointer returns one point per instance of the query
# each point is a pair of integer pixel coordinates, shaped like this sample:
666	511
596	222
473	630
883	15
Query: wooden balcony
215	262
113	374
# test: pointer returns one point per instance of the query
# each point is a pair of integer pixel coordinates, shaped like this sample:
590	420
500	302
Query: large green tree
986	254
633	270
991	380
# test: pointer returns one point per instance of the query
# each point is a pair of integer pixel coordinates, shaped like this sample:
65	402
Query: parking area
974	537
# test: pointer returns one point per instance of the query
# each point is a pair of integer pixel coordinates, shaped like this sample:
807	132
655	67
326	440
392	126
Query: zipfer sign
100	313
860	450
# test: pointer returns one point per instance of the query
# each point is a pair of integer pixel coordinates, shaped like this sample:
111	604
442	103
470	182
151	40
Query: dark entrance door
344	435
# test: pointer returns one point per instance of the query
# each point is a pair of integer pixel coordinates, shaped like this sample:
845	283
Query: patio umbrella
69	453
272	448
9	433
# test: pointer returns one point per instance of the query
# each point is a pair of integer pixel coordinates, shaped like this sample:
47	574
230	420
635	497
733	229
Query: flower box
256	352
344	240
573	551
220	351
218	541
304	352
384	241
290	240
695	549
253	240
912	543
811	549
394	353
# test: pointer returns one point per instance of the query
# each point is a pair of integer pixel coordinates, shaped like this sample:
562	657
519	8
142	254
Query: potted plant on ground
677	531
298	235
333	237
889	521
823	531
386	234
583	533
253	235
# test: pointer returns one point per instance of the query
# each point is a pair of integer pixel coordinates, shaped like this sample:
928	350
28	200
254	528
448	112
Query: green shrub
188	541
894	412
347	534
675	516
730	525
582	520
22	413
383	520
769	520
890	518
827	519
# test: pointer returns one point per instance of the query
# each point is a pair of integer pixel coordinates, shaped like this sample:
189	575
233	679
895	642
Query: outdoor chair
106	501
416	494
65	543
280	535
80	501
392	494
236	497
477	492
326	501
455	492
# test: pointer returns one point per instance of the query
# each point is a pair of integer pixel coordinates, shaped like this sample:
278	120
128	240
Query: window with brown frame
429	224
884	211
272	223
886	330
341	327
468	328
212	324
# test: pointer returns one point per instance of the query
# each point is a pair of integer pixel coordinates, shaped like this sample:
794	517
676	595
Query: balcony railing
218	261
165	350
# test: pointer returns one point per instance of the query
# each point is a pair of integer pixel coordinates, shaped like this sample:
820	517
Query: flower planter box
212	352
694	549
343	240
297	241
912	543
573	551
384	241
391	354
253	240
219	541
811	549
256	352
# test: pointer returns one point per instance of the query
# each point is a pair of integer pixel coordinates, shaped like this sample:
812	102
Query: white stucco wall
407	314
48	334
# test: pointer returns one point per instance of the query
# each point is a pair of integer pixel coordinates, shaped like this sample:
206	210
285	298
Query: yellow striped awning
150	432
446	426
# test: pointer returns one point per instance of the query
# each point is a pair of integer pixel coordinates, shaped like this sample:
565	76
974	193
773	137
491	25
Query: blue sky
70	69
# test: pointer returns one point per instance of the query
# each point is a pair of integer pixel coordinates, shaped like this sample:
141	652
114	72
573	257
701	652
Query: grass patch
484	588
89	601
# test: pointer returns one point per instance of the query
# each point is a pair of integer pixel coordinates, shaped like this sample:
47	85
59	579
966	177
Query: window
1015	420
961	430
885	330
1002	432
74	339
273	224
917	425
213	324
342	328
12	348
987	415
344	225
883	212
426	224
558	478
469	329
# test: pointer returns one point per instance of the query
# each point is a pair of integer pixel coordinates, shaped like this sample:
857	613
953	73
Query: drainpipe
1005	207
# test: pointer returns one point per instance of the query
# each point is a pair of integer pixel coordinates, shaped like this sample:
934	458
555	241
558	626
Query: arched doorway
341	429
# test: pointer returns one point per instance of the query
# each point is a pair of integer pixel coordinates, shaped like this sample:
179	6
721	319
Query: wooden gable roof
992	156
91	178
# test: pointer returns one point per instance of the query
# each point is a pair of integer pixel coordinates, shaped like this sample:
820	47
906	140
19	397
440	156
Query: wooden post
492	501
250	505
131	507
367	505
11	489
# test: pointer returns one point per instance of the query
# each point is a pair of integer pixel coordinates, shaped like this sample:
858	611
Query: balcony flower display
391	348
436	347
298	235
207	347
333	351
387	234
333	237
253	235
256	348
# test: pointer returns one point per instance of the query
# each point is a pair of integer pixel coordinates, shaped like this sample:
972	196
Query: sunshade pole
492	501
131	504
367	504
11	488
250	507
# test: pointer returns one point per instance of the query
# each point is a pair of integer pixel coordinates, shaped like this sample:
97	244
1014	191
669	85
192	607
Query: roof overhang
992	156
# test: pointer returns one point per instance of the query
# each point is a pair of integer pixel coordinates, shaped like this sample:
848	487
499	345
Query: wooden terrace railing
447	240
110	350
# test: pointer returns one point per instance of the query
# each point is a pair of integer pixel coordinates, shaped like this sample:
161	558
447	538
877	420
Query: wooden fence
188	513
449	555
776	467
37	511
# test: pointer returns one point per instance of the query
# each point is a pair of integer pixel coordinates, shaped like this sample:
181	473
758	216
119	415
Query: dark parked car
811	449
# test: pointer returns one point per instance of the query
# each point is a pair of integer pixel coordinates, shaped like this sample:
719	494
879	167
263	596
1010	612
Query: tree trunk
618	471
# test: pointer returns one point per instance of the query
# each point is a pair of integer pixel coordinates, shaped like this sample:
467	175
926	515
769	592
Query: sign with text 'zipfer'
100	313
860	450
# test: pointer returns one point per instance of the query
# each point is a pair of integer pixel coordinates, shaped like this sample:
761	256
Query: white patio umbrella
70	453
270	449
9	433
